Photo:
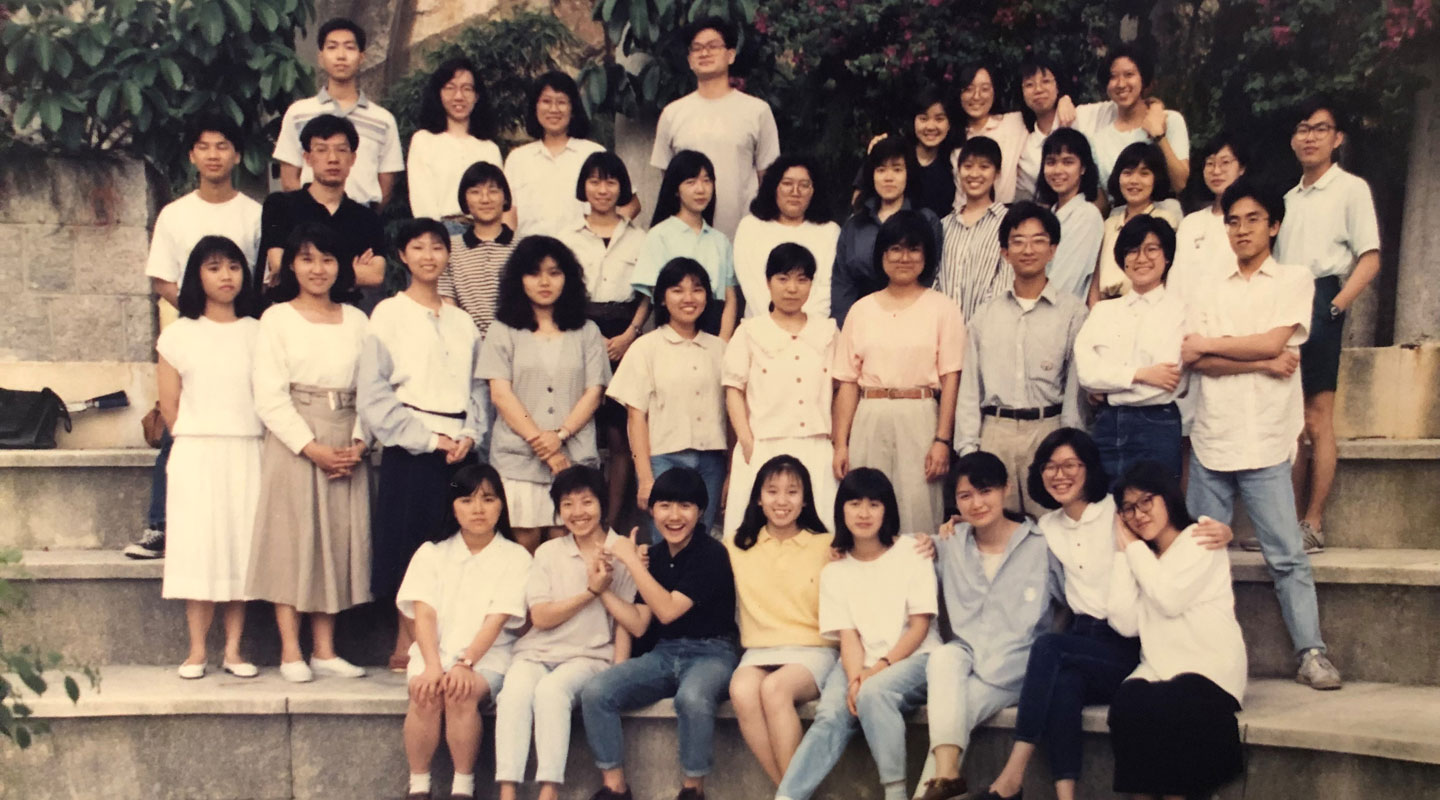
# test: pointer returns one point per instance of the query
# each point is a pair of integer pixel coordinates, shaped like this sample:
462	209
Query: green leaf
105	101
72	689
228	105
606	10
640	19
22	737
16	55
212	23
240	12
69	102
28	675
64	62
172	74
268	18
90	50
133	102
44	52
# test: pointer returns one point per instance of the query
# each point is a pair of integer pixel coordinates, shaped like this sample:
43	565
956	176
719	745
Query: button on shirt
785	376
1328	224
543	184
676	382
379	149
877	598
1251	421
1124	334
778	586
1085	549
608	267
701	572
464	588
559	572
673	238
1202	246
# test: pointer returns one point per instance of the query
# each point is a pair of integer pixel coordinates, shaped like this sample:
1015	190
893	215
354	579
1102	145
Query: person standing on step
1139	178
455	130
204	367
971	269
1330	227
1246	330
471	279
1069	187
1201	243
789	209
735	130
215	208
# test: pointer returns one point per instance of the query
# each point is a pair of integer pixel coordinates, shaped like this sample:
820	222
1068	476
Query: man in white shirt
1330	227
736	131
1246	330
378	158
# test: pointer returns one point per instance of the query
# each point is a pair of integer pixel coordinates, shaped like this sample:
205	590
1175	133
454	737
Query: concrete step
153	735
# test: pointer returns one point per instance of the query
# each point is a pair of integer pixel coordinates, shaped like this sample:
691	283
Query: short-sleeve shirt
676	382
1009	131
182	224
1328	224
673	238
472	277
785	376
1202	245
558	572
379	149
1113	280
877	598
1097	122
701	572
434	167
355	226
214	361
608	265
778	585
904	348
543	185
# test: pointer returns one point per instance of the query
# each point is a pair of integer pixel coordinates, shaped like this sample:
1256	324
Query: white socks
463	785
419	783
895	791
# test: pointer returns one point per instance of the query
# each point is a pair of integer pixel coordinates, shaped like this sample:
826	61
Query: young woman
885	189
607	246
310	552
465	592
681	228
1133	115
419	396
455	130
1139	178
930	126
204	374
1172	722
1069	186
670	386
977	100
785	211
971	268
547	370
777	385
879	601
471	279
1201	240
889	373
1043	91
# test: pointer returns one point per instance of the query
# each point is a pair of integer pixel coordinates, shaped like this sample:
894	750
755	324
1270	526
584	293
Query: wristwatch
467	662
1335	311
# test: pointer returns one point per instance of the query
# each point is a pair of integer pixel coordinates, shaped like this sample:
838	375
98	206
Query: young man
734	130
1330	227
378	155
1246	328
329	144
216	207
1019	380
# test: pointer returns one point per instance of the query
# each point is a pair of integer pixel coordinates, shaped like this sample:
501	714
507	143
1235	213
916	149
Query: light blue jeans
1270	500
883	702
543	695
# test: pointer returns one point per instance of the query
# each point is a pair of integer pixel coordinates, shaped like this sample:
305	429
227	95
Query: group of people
789	399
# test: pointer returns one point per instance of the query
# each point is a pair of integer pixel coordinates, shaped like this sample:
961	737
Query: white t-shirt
434	167
1201	246
543	185
213	359
877	598
1097	121
183	223
754	240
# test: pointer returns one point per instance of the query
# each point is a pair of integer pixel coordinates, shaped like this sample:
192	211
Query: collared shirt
754	240
1127	333
182	224
1113	280
416	361
434	167
355	226
1007	130
673	238
1328	224
971	268
1081	232
1251	421
877	598
778	587
608	266
543	184
856	273
464	588
1020	358
1030	164
676	382
905	348
379	149
292	349
1202	246
701	572
559	572
1097	122
472	277
1086	549
997	619
785	376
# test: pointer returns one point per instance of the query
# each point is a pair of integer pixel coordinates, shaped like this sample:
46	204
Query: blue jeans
1270	500
883	702
155	516
696	672
711	466
1127	435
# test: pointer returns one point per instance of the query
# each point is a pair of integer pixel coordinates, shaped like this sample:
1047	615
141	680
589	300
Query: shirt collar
1091	513
1267	268
471	240
454	549
1324	181
771	338
1027	528
673	336
798	539
1151	298
580	226
324	97
1047	294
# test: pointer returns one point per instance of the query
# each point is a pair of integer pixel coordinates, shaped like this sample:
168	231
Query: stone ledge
1389	449
1352	566
130	457
55	565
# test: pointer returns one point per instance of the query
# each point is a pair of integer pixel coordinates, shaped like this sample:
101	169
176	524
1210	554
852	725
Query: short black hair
579	478
1033	65
191	301
754	518
680	485
984	471
1025	210
327	126
479	173
788	257
213	123
767	208
1133	234
1154	478
1269	199
412	229
341	24
865	483
558	81
1138	154
326	241
676	270
1139	56
466	481
891	147
980	147
928	95
713	23
1316	103
1097	483
684	165
514	308
433	118
908	227
604	164
1068	140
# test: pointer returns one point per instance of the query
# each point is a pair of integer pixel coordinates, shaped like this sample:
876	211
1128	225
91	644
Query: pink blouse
903	349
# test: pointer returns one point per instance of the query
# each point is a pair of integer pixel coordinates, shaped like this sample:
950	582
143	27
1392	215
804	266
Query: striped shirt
472	278
379	149
971	269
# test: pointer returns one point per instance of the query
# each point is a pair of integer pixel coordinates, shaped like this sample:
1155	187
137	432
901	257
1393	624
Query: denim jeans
1270	500
542	696
1066	672
883	702
711	466
696	672
1127	435
155	516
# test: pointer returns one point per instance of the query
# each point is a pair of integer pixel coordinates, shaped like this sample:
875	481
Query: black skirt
1174	737
409	510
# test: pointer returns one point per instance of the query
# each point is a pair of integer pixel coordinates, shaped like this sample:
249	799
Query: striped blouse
472	279
971	267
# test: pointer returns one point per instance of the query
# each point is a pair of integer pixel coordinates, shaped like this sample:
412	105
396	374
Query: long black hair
685	165
754	519
1068	140
866	483
325	241
432	110
514	308
191	302
465	482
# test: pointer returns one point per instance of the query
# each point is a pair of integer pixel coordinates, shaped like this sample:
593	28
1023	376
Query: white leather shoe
191	672
336	667
296	672
241	669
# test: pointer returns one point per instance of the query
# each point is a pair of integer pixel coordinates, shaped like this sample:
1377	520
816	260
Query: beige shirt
558	572
676	382
607	267
785	376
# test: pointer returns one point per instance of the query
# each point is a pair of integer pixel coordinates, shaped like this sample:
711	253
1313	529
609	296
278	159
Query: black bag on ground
27	419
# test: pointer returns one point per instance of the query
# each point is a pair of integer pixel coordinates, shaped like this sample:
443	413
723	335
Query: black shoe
690	793
150	546
989	795
605	793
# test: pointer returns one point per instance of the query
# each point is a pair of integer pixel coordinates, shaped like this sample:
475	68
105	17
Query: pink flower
762	24
1282	35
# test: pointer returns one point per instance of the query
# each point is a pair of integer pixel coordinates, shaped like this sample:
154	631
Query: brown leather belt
924	393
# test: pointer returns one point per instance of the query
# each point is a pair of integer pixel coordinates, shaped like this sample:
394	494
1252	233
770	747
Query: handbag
27	419
152	426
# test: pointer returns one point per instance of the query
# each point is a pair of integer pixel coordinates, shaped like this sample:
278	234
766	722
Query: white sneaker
241	669
336	667
191	672
296	672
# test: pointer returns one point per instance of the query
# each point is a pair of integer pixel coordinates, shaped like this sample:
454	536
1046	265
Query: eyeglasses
1069	468
1032	243
978	90
1322	129
1248	221
797	186
1219	164
899	251
1149	251
706	47
463	89
1143	506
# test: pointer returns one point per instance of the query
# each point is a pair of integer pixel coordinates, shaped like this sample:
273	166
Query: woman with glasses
455	131
1201	241
786	210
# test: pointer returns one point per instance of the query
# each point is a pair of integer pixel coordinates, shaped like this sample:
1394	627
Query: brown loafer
944	789
399	664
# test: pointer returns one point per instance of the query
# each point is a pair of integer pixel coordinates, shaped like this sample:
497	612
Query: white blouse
607	266
1086	549
754	240
214	361
434	167
785	376
291	349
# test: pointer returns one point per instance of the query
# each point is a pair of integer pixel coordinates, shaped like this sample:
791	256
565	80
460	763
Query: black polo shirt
701	572
358	228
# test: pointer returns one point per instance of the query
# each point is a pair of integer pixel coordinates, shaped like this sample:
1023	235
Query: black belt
1021	413
446	414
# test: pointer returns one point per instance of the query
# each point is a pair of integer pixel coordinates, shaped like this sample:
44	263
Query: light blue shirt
1082	231
997	619
672	238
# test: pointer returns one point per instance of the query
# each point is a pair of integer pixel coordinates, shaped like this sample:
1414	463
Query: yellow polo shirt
777	587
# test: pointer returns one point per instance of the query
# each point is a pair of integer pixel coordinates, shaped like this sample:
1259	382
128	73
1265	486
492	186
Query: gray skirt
894	436
311	544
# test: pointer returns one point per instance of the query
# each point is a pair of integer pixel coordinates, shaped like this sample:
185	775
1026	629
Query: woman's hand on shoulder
947	528
925	546
1212	534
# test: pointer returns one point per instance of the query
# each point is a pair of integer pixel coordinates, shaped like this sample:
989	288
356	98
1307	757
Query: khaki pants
1014	442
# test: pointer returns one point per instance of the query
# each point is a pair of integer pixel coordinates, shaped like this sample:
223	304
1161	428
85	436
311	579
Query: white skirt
818	660
212	487
529	503
815	452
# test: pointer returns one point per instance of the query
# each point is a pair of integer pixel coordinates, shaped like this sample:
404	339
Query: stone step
338	738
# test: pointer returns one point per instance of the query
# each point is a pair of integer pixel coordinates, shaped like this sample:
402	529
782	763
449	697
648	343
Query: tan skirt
311	544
